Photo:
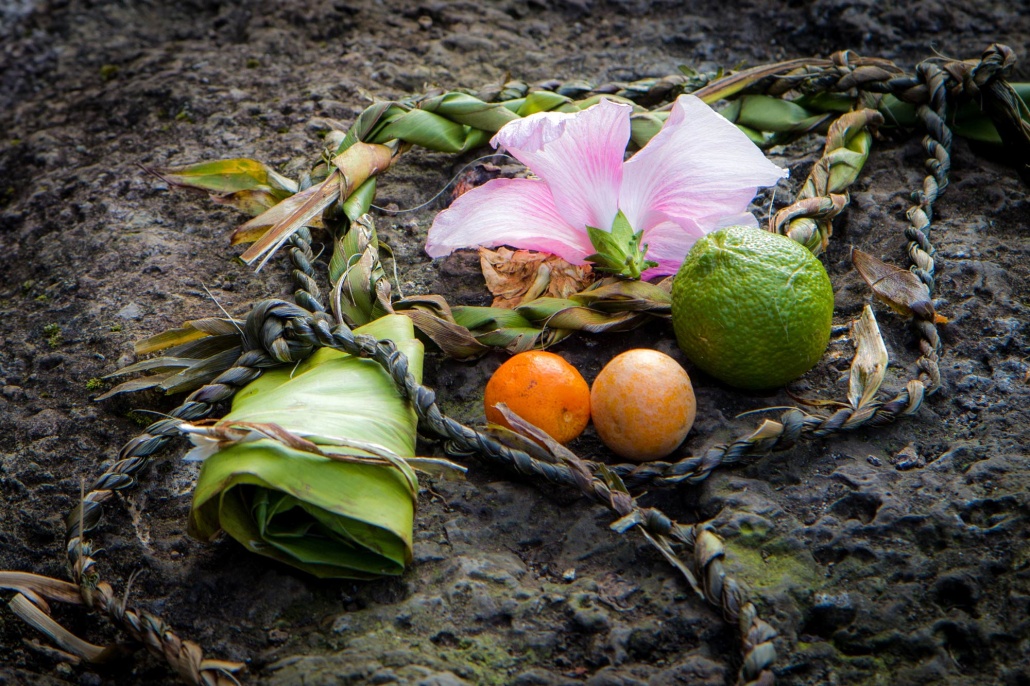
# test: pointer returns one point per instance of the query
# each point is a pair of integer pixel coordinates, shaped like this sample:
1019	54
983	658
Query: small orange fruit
643	404
543	389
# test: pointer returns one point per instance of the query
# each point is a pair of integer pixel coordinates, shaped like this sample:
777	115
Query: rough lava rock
873	568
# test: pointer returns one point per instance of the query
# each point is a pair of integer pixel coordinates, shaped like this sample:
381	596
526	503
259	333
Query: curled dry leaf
518	276
870	363
899	288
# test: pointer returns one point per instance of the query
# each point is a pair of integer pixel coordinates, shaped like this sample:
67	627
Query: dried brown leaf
517	276
255	228
311	205
37	586
455	340
766	431
64	639
870	363
352	168
899	288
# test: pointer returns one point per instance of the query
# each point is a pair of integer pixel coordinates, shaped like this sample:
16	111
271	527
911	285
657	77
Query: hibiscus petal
516	212
699	165
669	242
579	156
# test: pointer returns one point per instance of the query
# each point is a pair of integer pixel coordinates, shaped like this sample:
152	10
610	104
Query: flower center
619	251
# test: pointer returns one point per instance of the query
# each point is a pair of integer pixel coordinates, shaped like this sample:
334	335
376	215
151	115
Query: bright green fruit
752	308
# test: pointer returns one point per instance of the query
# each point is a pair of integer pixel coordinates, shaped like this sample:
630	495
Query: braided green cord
185	657
278	333
719	590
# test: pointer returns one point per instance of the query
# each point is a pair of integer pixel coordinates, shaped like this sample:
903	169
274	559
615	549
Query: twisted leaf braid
953	79
849	71
809	219
263	332
307	294
719	589
937	144
772	436
185	657
646	92
278	332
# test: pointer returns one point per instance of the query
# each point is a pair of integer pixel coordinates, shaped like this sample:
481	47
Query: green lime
752	308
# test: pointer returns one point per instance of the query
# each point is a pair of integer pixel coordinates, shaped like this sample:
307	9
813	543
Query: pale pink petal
668	244
699	165
720	222
516	212
579	156
669	241
673	237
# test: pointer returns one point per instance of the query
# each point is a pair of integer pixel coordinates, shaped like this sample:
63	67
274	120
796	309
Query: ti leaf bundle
341	518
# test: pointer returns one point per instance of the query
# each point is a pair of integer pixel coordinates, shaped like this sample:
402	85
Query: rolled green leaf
541	101
360	201
330	518
766	113
470	111
428	130
645	125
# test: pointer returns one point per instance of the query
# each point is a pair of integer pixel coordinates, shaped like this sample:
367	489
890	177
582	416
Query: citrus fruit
543	389
752	308
643	404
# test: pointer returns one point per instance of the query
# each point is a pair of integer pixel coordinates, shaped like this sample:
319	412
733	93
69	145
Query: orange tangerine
543	389
643	404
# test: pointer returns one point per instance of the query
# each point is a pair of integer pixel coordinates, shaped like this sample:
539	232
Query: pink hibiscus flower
697	175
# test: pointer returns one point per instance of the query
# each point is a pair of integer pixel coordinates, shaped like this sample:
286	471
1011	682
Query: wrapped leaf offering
345	506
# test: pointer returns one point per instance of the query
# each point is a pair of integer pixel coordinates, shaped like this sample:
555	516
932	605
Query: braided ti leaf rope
691	469
279	333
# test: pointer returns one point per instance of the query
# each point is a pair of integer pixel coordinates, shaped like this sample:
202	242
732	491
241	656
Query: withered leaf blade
200	372
192	331
259	225
168	339
579	469
514	439
37	586
216	326
228	176
161	364
453	339
134	385
353	167
61	637
768	430
529	430
734	83
620	295
899	288
871	360
253	202
433	304
324	195
592	321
